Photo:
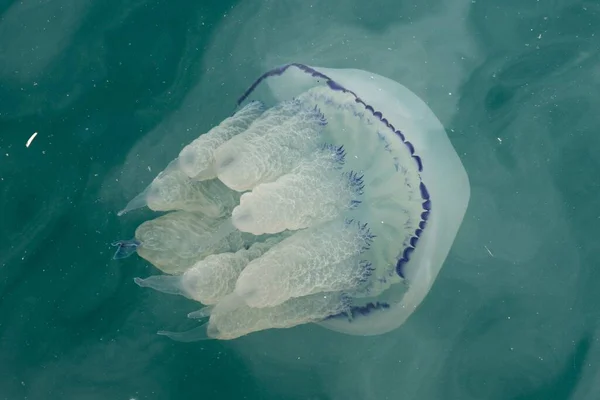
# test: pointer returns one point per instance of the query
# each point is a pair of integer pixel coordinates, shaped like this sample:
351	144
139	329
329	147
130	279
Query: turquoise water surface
115	88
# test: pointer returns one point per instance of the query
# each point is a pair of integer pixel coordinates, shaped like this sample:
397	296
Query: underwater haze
96	98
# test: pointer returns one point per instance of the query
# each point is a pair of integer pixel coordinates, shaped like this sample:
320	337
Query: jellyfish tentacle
138	201
332	264
204	312
196	159
193	335
225	229
163	283
317	183
271	146
125	248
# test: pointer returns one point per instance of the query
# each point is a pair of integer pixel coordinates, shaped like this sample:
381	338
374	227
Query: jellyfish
331	196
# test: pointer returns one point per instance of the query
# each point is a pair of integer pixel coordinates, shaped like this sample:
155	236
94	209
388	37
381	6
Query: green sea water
115	88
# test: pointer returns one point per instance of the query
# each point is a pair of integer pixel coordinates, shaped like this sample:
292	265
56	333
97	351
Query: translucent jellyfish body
332	196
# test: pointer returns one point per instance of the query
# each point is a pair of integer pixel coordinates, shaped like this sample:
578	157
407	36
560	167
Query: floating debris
31	139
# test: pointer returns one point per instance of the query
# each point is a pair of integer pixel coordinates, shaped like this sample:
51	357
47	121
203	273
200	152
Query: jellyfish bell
361	179
444	187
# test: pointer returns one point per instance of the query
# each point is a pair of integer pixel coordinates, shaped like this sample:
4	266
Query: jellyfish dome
331	196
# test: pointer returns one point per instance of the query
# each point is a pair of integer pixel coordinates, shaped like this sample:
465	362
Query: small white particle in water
488	250
449	93
149	169
499	140
31	139
540	36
